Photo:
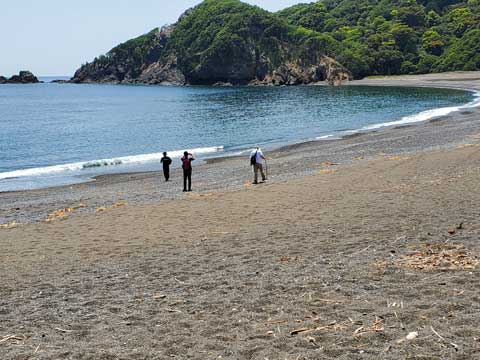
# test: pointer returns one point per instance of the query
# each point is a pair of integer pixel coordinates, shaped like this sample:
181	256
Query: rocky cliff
24	77
219	42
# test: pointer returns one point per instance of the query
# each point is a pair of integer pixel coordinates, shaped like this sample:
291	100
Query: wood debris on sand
111	207
12	338
9	225
199	196
63	213
440	256
467	146
332	326
328	163
59	214
396	158
326	171
377	326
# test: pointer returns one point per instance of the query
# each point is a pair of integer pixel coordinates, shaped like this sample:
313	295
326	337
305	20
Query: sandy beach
364	247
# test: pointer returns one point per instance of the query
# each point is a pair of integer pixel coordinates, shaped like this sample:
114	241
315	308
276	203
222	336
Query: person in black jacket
166	161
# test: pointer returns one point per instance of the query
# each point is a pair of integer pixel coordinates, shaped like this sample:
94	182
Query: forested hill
228	41
384	37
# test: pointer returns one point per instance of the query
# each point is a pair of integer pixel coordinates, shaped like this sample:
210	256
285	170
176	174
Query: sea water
55	134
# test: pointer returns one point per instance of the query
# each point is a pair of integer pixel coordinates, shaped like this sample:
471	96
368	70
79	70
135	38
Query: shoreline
68	195
206	153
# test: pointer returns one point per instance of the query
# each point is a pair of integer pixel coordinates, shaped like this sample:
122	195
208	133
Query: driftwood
377	326
12	337
333	325
111	207
63	330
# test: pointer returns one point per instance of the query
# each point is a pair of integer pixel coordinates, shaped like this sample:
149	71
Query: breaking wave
419	117
126	160
426	115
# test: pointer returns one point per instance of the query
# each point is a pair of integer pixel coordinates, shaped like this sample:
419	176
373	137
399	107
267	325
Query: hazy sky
54	37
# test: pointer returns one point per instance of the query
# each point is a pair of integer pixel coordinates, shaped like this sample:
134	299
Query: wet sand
321	262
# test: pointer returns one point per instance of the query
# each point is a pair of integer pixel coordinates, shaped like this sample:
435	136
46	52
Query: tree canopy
384	37
369	37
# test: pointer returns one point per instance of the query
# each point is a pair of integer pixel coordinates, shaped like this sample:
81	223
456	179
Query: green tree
413	15
464	54
432	42
405	37
460	20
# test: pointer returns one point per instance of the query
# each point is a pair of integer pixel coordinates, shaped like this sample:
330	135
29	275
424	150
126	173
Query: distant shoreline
463	80
458	80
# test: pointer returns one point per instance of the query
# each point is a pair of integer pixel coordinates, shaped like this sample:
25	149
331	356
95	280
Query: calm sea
53	134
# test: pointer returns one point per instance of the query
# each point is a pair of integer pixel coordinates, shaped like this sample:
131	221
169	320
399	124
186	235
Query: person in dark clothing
166	162
187	170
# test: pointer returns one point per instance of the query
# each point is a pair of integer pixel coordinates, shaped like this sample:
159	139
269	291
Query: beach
364	247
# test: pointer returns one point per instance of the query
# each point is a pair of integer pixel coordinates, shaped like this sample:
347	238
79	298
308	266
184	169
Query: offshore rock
24	77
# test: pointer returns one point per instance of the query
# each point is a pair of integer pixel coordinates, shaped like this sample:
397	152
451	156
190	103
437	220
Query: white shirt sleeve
259	156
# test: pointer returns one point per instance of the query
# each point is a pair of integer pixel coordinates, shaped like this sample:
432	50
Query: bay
54	134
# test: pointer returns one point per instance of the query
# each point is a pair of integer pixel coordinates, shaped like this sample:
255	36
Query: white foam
422	116
426	115
135	159
324	137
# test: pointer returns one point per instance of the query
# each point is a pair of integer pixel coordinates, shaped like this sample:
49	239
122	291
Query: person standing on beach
166	162
256	160
187	170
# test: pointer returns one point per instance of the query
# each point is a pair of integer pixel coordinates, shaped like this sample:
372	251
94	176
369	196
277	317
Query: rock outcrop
24	77
135	61
294	73
163	73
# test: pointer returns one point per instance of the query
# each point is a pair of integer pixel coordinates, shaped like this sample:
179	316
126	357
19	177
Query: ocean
58	134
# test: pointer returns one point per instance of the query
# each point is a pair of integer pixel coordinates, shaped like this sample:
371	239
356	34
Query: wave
324	137
426	115
126	160
420	117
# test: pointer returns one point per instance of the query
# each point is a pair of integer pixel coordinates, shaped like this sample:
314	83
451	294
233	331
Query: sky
54	37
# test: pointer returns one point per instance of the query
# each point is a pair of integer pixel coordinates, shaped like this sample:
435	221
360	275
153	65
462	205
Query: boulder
3	80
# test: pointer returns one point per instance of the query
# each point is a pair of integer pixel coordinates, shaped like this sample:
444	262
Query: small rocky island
23	77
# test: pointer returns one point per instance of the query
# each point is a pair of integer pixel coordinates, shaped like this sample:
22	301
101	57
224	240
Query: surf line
83	165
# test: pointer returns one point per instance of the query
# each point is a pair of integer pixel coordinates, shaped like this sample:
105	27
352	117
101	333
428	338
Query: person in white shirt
256	160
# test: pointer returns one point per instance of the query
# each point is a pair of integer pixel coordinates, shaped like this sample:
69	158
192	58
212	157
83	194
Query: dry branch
12	337
63	330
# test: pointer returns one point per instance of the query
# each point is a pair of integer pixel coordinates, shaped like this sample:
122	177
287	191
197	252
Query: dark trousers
187	175
166	173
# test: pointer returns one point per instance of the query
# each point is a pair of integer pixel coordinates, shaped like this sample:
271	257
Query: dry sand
322	262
